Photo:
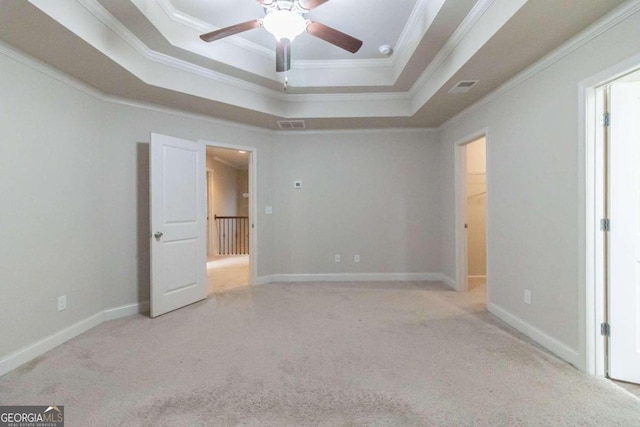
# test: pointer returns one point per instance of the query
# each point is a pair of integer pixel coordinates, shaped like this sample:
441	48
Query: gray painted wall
51	227
536	189
366	193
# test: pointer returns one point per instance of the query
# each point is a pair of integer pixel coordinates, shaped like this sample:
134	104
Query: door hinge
605	224
606	119
605	330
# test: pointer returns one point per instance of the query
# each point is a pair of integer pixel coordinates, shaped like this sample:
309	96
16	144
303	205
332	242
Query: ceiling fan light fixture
284	24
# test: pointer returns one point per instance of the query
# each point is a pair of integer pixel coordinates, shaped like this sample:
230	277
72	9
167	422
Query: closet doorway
476	214
472	220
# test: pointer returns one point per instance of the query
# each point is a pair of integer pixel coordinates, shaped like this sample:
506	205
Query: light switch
297	184
268	210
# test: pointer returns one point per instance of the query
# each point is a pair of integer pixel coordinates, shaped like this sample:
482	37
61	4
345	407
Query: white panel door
624	267
178	223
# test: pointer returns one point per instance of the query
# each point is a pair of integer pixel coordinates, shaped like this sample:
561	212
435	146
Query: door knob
158	235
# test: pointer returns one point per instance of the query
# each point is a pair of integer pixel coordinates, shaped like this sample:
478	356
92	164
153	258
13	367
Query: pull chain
286	82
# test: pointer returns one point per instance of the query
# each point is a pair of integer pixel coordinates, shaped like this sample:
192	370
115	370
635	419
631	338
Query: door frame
253	202
461	208
211	243
591	160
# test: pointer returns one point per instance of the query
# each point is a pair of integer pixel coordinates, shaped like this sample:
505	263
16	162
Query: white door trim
590	246
253	203
211	225
461	207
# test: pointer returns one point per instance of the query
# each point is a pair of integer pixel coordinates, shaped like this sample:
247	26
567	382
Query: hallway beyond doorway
225	272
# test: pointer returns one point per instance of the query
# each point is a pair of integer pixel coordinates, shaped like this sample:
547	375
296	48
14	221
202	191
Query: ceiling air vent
463	86
291	124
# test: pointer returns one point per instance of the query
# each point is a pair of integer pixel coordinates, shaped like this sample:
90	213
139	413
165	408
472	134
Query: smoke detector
385	49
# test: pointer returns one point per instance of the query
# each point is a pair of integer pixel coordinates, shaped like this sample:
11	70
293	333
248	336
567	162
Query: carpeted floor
317	354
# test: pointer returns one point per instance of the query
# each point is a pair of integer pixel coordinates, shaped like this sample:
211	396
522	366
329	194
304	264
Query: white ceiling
149	51
230	157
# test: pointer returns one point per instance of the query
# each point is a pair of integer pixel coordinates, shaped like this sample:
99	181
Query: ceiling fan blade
229	31
311	4
334	37
283	56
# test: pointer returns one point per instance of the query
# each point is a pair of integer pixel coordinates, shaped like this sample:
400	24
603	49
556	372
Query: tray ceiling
149	51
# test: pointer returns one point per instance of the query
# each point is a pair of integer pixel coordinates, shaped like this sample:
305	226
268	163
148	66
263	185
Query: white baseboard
126	310
561	350
449	281
356	277
263	280
30	352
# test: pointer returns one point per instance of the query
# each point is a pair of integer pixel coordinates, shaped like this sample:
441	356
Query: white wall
369	193
51	226
225	189
243	188
536	199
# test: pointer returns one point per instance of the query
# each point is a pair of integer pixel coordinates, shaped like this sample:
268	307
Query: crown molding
413	23
184	114
613	18
419	21
46	69
422	18
418	130
203	27
460	33
343	63
344	97
101	14
97	10
609	21
55	74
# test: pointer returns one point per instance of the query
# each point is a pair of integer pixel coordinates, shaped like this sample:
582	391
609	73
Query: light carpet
317	354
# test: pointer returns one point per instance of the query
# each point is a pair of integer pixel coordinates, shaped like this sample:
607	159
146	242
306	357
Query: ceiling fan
284	20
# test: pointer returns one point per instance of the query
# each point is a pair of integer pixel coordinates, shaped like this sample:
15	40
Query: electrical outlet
527	296
356	258
337	258
62	302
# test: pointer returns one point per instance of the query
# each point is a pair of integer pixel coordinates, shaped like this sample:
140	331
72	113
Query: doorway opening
471	216
612	227
228	218
476	215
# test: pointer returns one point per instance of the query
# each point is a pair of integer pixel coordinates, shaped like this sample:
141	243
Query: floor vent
463	86
291	124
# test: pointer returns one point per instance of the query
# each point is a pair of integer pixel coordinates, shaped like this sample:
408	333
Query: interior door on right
624	237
